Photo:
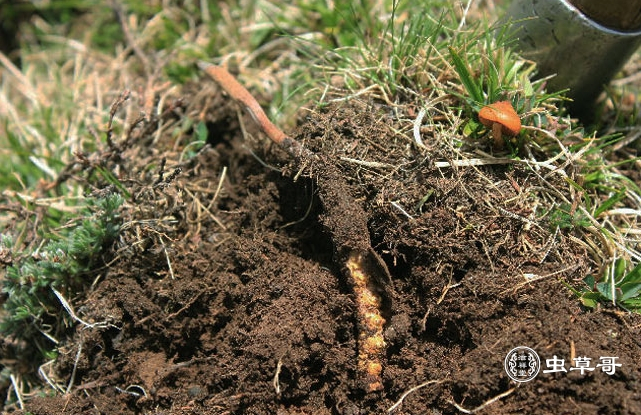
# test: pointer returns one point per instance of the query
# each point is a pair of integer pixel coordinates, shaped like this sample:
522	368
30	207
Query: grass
407	57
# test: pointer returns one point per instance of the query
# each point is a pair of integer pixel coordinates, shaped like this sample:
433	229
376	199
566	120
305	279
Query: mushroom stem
497	133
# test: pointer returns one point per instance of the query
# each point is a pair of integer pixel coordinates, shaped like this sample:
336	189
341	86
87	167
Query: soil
228	291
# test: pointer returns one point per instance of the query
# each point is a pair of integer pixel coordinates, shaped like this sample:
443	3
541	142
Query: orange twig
242	95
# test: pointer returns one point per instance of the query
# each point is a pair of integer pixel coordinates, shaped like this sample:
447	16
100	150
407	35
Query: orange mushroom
502	118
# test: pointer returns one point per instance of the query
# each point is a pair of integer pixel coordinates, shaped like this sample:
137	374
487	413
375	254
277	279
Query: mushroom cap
503	113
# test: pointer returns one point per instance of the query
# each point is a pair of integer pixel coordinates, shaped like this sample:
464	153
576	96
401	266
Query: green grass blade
466	77
605	206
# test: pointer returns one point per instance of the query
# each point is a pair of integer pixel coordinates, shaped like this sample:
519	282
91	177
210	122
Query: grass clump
428	56
64	260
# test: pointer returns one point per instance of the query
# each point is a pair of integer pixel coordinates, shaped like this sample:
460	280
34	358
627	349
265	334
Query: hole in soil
459	273
222	132
447	332
188	348
398	266
432	328
300	208
109	337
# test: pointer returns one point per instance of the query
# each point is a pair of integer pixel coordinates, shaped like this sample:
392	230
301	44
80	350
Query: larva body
371	344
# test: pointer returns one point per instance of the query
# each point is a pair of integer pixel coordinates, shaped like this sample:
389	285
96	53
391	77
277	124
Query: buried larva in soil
371	345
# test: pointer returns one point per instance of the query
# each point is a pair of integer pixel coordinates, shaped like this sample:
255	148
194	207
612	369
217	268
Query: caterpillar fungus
371	344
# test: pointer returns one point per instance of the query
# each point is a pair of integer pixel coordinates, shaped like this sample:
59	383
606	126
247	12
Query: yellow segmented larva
371	344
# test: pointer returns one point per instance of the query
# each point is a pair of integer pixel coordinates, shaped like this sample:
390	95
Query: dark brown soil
257	313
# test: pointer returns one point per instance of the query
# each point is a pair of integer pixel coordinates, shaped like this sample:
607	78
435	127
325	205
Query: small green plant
566	216
32	308
621	286
489	71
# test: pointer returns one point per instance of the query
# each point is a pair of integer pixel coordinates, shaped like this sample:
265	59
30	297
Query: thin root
412	390
484	404
276	380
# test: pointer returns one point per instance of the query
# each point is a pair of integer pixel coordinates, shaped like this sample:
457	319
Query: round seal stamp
522	364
